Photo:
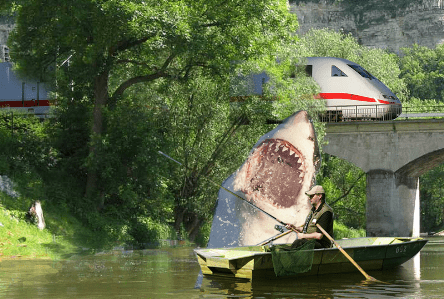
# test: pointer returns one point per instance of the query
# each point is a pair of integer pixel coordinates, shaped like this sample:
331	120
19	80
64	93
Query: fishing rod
237	195
276	237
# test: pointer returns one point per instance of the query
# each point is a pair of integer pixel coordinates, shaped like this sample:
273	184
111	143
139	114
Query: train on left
24	95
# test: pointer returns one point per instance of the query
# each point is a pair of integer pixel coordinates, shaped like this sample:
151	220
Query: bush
148	233
342	231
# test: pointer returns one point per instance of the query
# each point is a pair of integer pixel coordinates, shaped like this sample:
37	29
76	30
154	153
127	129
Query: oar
238	196
368	277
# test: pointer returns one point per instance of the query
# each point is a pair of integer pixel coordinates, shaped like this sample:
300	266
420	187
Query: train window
361	71
336	72
309	70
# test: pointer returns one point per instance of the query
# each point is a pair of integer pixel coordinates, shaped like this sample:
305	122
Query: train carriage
24	95
350	91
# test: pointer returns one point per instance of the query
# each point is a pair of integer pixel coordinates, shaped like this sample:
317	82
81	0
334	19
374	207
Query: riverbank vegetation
160	78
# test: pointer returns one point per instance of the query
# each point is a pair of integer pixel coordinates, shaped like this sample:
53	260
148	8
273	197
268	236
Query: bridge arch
422	164
393	154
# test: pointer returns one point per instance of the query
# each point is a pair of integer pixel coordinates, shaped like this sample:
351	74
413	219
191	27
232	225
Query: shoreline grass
21	239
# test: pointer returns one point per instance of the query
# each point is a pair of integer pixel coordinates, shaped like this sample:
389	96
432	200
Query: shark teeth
290	163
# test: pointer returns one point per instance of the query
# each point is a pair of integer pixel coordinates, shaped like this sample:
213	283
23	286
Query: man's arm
323	221
294	228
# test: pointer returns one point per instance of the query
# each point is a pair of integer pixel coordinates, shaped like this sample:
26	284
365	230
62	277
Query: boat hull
252	262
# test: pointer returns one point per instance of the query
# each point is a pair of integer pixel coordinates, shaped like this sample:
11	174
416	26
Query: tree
422	68
432	205
345	186
114	45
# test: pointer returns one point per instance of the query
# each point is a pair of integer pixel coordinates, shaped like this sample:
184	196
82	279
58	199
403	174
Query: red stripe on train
17	104
346	96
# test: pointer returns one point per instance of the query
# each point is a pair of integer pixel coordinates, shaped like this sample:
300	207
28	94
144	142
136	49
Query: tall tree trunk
100	102
179	214
194	227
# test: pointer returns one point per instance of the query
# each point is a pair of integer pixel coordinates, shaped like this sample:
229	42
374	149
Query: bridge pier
393	154
392	204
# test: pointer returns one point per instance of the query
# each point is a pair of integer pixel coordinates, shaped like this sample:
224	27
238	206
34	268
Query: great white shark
280	168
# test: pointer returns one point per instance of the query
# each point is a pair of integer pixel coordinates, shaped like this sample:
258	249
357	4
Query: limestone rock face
6	25
390	24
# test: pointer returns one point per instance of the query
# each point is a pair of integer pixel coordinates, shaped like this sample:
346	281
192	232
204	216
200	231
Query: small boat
251	262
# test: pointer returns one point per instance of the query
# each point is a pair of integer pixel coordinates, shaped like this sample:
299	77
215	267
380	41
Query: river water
173	273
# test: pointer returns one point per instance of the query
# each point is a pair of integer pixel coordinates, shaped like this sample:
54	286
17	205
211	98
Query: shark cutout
280	168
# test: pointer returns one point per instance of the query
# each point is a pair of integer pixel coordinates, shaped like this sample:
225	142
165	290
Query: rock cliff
390	24
6	25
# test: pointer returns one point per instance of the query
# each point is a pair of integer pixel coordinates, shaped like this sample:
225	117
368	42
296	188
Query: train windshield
361	71
336	72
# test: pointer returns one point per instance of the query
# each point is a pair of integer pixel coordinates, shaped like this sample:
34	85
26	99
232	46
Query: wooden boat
253	262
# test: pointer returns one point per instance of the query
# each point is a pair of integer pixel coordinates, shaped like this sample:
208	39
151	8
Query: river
173	273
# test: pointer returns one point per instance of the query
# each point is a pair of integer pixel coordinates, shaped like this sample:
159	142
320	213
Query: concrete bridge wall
393	154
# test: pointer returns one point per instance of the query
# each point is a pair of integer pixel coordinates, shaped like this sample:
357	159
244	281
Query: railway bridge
393	154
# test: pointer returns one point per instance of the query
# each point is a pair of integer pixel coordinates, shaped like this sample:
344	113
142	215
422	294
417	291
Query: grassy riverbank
20	239
65	236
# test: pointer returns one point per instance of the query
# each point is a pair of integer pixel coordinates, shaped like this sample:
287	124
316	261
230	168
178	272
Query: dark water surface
172	273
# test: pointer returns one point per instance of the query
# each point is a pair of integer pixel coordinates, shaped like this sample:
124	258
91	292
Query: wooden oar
368	277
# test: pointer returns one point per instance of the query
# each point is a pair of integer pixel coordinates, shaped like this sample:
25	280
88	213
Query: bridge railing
360	112
380	112
433	111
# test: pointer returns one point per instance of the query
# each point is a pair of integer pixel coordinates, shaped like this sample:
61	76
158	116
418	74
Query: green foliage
209	137
63	237
432	204
343	231
345	188
147	40
204	234
415	105
422	69
102	55
148	233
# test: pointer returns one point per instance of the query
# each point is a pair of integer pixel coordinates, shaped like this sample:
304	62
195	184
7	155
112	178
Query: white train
350	91
24	95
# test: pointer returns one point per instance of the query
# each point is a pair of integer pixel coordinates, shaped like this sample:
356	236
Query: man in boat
322	214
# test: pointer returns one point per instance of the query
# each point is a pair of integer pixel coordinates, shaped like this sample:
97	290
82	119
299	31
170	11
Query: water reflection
138	274
342	286
172	273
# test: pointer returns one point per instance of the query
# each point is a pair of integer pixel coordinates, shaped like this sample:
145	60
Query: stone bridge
393	154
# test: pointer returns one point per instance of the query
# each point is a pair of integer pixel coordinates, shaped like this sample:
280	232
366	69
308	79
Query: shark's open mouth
275	173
